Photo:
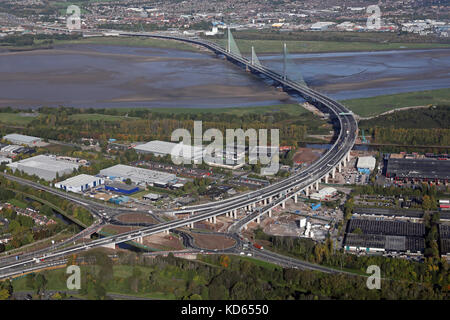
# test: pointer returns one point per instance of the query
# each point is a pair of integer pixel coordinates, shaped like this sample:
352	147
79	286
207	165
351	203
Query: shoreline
147	43
142	91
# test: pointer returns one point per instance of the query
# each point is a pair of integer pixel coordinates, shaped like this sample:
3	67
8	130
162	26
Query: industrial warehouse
22	139
139	176
366	164
384	227
371	243
185	153
413	215
418	169
79	183
45	167
324	194
373	236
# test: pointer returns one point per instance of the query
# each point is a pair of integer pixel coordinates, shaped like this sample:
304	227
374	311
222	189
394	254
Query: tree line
220	277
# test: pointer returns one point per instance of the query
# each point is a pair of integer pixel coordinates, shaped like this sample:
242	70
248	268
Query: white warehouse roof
323	193
79	183
45	167
79	180
366	162
138	175
166	148
15	137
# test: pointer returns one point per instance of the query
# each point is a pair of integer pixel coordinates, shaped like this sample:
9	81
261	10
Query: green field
57	281
132	42
372	106
18	203
15	118
292	109
261	263
139	194
294	46
99	117
261	46
303	117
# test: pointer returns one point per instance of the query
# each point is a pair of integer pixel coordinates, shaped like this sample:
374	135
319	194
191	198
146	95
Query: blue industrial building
122	188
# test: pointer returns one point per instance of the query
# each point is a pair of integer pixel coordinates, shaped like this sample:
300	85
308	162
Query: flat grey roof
163	147
389	243
387	227
45	162
138	175
389	212
418	168
21	137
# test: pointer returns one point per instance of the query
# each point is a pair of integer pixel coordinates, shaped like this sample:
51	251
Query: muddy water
114	76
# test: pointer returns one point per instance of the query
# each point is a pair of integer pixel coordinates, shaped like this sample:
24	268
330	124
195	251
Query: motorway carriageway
313	173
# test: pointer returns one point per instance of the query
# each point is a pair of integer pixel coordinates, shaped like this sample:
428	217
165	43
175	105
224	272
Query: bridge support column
270	213
326	178
258	219
307	191
283	204
109	245
340	167
270	199
348	156
235	213
333	173
214	219
295	198
317	185
192	225
254	204
166	231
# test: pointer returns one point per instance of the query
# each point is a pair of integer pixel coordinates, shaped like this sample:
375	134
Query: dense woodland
433	272
32	40
22	192
426	127
145	125
219	277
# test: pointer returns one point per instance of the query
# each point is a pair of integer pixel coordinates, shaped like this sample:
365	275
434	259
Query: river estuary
100	76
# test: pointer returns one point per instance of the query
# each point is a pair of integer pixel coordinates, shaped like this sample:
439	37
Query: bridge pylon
291	71
255	61
284	61
231	44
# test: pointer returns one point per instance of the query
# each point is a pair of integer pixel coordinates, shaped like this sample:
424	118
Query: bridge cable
231	44
255	60
291	70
